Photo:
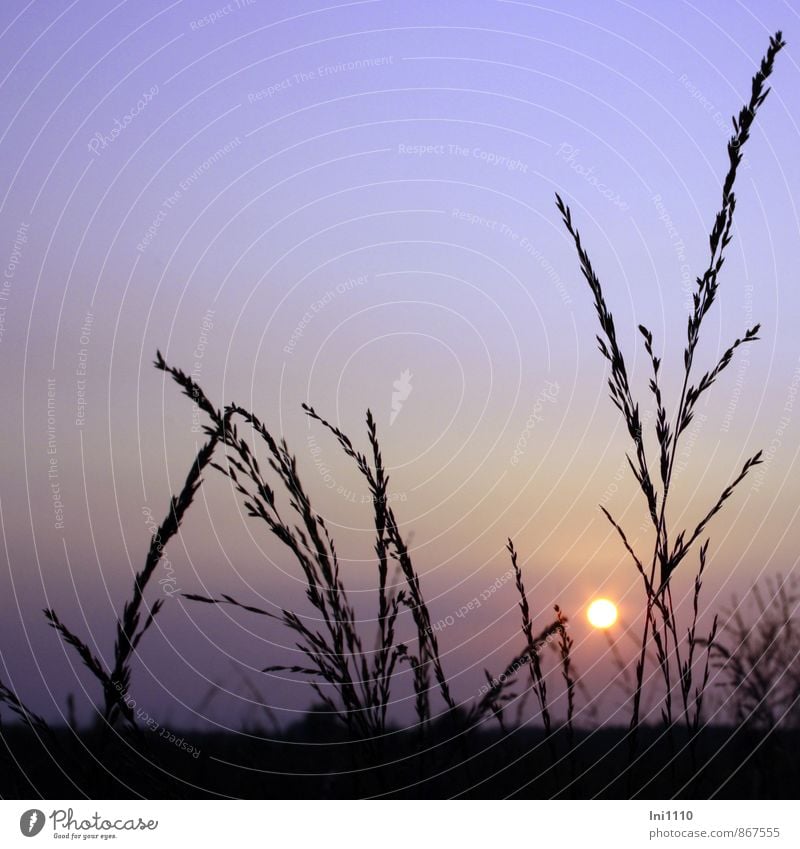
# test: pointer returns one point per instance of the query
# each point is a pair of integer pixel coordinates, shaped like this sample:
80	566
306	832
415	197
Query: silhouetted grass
675	655
354	684
116	680
357	683
757	657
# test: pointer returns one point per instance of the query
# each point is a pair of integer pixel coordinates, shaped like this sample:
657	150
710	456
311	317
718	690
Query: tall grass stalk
675	656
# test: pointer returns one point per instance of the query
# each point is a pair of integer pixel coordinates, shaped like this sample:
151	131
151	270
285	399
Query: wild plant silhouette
453	747
675	654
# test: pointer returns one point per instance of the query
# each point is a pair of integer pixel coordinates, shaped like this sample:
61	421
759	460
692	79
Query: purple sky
302	202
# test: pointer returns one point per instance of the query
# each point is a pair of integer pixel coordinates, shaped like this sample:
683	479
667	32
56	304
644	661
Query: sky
352	205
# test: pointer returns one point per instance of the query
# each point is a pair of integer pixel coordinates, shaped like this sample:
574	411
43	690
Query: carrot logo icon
31	822
402	389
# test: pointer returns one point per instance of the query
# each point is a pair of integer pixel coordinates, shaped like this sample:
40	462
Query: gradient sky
195	177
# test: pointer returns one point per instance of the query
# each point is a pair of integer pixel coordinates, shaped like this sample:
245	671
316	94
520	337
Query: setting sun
602	613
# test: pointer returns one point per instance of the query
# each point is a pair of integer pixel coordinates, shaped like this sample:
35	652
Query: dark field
315	761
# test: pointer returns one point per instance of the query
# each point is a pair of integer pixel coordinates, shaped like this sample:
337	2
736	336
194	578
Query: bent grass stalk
116	680
359	687
353	686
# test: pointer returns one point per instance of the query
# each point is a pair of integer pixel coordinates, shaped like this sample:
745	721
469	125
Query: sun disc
602	613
